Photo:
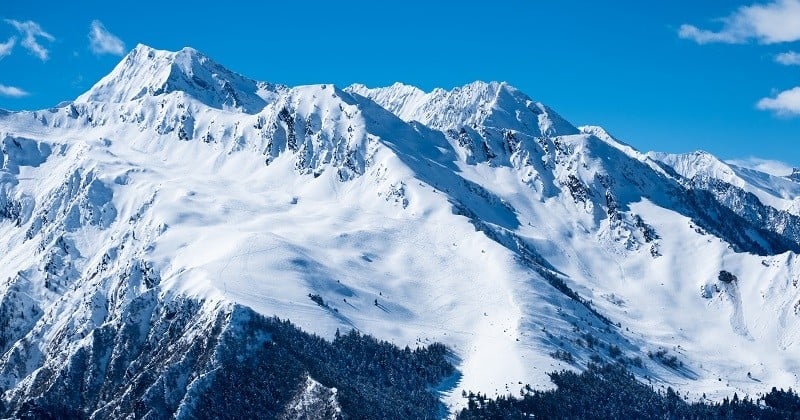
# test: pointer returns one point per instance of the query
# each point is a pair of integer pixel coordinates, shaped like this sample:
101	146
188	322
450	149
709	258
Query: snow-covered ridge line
146	71
474	216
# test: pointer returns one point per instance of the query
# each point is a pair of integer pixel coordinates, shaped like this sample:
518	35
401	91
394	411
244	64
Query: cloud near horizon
12	91
768	23
789	58
772	167
31	32
786	103
101	41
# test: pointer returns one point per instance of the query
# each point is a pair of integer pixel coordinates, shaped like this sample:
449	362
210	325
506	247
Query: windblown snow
475	217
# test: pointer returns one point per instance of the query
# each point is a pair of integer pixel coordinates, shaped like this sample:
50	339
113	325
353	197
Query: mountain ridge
475	217
145	70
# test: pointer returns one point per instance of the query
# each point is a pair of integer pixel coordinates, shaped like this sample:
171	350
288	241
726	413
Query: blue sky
670	76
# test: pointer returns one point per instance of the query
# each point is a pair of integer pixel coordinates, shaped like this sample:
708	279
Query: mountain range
146	225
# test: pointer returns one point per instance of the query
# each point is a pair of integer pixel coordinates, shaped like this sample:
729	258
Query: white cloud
12	91
772	167
789	58
103	42
30	32
768	23
785	103
702	36
6	47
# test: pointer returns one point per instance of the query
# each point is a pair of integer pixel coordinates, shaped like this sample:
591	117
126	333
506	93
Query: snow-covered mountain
173	197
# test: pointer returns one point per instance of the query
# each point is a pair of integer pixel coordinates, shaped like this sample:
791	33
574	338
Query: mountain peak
146	71
795	175
599	132
602	134
478	103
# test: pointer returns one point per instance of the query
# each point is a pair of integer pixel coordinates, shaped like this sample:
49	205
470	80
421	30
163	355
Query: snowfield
417	217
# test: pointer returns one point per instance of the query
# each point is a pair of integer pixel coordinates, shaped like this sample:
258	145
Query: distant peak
491	88
696	164
702	154
189	50
596	131
394	88
146	50
604	135
478	103
141	49
480	89
148	71
401	85
142	52
491	85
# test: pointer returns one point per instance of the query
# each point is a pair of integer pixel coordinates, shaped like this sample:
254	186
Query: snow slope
475	217
780	192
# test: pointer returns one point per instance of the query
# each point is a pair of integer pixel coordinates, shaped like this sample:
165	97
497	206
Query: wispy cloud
767	23
103	42
6	47
703	36
789	58
31	32
77	81
12	91
785	103
772	167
